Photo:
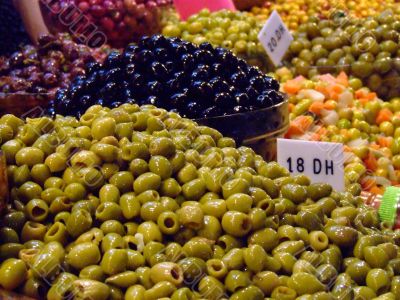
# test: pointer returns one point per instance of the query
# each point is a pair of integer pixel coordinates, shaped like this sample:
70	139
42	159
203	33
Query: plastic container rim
247	113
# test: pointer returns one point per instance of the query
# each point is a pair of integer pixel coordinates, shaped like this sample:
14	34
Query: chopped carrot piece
385	141
299	125
344	132
322	131
293	86
363	100
366	183
330	105
359	93
376	190
316	107
374	146
370	162
322	89
334	91
315	137
371	96
384	114
343	79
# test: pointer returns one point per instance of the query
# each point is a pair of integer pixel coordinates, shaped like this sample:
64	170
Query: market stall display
364	48
175	210
121	21
196	81
150	173
236	31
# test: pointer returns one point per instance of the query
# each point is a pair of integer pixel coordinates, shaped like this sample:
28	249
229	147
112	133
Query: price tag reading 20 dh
275	38
320	161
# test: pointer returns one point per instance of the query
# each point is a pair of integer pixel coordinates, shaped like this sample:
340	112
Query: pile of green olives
139	203
236	31
366	48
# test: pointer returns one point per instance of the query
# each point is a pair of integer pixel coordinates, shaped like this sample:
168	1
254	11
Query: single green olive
123	280
13	272
342	235
305	283
90	289
88	250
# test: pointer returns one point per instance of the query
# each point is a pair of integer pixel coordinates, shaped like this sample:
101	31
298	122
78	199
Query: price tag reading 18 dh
320	161
275	38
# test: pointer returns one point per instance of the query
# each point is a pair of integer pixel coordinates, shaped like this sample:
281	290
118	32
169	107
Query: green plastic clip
388	208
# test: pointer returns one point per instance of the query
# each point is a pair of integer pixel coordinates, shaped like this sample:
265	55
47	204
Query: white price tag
320	161
275	38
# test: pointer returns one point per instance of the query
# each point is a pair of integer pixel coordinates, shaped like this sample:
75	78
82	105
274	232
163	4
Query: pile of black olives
365	48
196	81
138	203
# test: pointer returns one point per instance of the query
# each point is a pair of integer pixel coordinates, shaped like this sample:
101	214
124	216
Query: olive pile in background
365	48
296	12
197	81
236	31
47	67
293	13
137	202
120	21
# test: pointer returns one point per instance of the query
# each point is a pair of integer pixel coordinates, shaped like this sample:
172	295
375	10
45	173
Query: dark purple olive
206	46
242	99
275	96
155	88
193	110
271	83
113	60
115	104
161	54
145	57
187	62
264	101
239	109
219	86
159	70
212	111
179	100
224	100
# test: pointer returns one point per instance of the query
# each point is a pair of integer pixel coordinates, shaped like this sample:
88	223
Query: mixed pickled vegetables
338	109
